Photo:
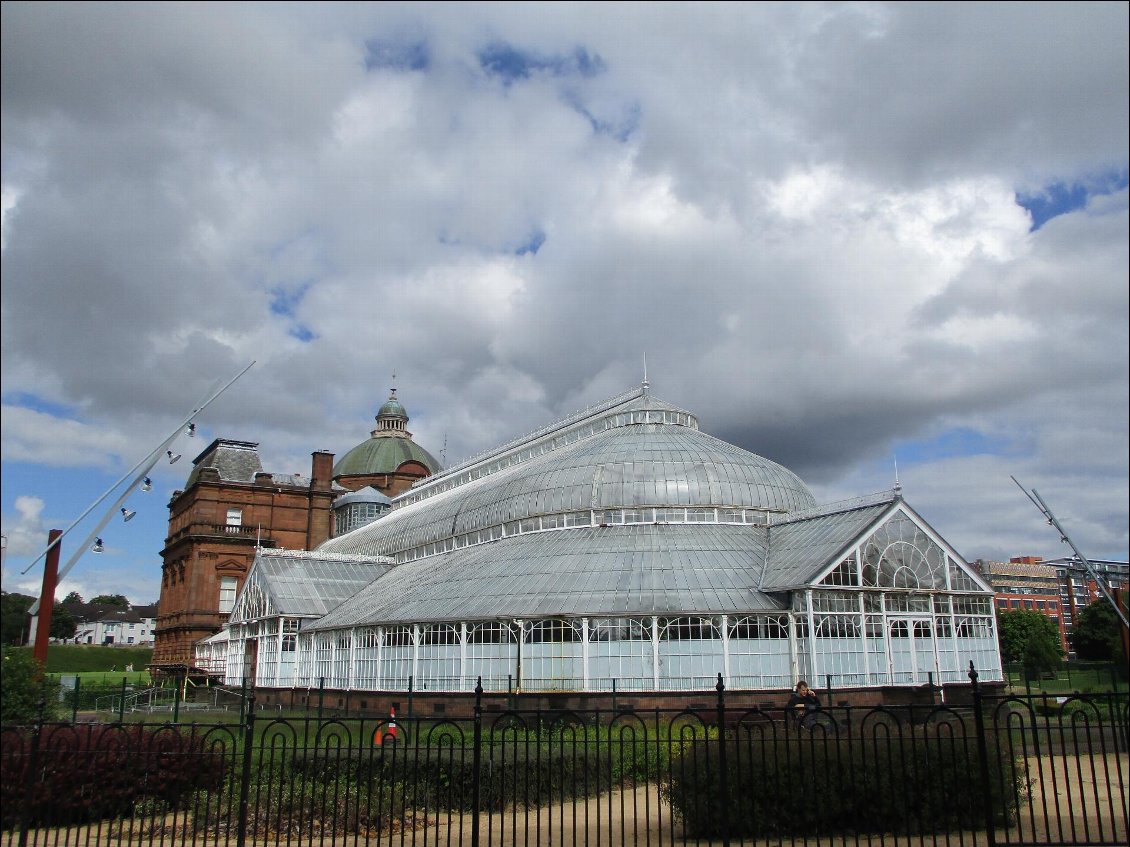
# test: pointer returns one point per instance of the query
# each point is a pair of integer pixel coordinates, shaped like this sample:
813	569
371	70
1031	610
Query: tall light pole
50	578
146	466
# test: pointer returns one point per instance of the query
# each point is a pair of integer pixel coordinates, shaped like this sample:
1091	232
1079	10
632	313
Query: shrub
820	786
93	772
24	687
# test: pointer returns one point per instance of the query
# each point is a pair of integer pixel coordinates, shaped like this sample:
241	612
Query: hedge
824	786
95	772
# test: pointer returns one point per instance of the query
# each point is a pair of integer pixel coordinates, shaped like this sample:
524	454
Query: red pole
47	598
1120	601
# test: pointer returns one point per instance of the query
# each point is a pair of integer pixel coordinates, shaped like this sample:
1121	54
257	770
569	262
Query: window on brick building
227	593
235	517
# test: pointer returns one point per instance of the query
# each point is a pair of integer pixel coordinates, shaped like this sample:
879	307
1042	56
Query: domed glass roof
640	453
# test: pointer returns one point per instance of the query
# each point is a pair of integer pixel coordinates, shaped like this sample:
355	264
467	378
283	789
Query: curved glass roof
624	570
642	452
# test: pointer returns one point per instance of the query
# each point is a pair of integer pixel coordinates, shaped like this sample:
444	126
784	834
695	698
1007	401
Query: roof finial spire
645	384
392	391
898	485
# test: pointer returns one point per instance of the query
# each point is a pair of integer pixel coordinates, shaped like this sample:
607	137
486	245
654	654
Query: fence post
983	756
176	703
476	763
723	776
32	771
245	773
74	704
409	695
122	703
321	695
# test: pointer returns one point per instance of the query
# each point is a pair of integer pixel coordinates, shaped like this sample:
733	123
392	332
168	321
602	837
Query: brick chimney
321	470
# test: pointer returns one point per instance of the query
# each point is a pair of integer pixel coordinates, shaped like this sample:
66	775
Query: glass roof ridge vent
449	478
545	440
840	506
497	452
363	558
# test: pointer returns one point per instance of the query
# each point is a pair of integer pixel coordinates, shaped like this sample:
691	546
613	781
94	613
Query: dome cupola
391	417
389	460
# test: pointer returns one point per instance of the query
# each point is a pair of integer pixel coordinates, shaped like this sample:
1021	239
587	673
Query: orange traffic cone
392	731
387	732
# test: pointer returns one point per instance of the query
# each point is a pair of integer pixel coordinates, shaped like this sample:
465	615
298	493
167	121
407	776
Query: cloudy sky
847	236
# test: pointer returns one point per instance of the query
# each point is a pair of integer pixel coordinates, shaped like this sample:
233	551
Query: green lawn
97	659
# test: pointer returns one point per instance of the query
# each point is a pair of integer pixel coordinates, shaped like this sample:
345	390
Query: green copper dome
389	446
383	455
392	409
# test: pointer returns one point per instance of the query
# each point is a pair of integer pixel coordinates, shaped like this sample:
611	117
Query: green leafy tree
25	685
1096	635
1031	638
13	618
63	624
111	600
73	599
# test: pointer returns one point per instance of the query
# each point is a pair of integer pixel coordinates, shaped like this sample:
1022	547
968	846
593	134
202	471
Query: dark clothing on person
803	707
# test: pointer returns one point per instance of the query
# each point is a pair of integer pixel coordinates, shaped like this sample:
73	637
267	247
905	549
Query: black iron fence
999	770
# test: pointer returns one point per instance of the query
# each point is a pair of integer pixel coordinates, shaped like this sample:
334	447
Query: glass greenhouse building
624	547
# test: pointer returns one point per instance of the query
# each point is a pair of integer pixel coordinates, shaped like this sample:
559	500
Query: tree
73	599
110	600
1032	638
1096	636
13	618
24	686
63	624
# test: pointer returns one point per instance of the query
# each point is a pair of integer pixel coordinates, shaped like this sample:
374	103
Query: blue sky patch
954	444
396	56
38	404
511	64
532	244
1059	198
286	299
620	129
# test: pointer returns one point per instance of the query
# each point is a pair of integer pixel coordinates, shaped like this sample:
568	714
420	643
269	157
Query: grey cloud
783	231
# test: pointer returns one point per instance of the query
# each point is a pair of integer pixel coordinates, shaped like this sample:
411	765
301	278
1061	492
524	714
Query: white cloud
804	216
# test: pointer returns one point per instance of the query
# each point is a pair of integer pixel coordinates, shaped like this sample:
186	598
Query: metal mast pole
1034	496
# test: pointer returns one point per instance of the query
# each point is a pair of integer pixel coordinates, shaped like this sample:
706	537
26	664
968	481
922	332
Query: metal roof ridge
569	420
839	507
282	552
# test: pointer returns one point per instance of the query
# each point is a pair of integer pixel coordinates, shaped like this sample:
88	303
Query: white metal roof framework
622	543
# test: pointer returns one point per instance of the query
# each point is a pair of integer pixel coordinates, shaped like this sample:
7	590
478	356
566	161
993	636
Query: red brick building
1026	583
230	506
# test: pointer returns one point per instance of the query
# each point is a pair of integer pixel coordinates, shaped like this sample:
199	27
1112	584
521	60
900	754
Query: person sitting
803	705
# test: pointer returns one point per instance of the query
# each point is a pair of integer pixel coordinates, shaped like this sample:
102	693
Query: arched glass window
620	650
492	654
438	663
690	652
900	555
552	658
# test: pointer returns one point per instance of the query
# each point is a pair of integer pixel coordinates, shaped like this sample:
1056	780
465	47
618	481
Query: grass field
97	659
